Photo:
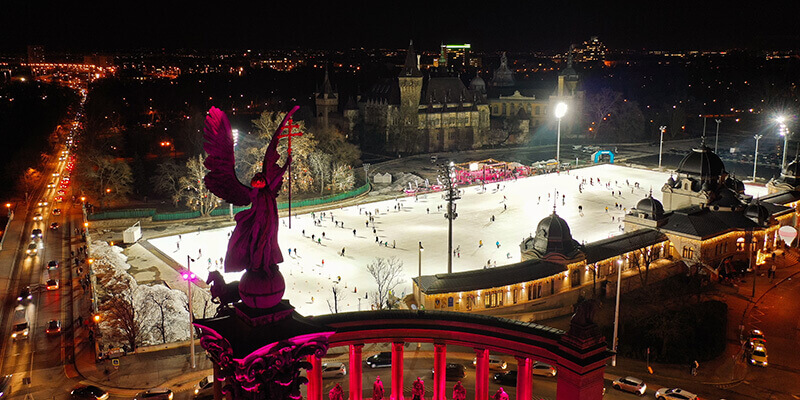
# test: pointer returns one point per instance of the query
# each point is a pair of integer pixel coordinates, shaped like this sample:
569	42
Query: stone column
481	374
439	371
314	379
572	385
397	371
524	378
355	371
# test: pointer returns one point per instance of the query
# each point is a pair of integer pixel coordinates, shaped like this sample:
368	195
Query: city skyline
682	25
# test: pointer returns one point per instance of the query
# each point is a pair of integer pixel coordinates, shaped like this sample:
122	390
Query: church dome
553	236
735	185
651	207
477	83
757	212
702	163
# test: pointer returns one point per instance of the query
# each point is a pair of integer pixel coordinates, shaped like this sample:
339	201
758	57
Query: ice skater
342	252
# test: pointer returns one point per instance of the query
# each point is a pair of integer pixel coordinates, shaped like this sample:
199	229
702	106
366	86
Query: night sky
336	24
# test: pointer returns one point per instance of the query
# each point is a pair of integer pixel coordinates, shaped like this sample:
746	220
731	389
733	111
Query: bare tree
386	272
194	190
161	301
30	179
338	296
106	178
641	259
119	309
342	177
166	180
321	164
599	106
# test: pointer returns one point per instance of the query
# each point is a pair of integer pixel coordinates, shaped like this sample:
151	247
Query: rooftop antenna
651	191
555	200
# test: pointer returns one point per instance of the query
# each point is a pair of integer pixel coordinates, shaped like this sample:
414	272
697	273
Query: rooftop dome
702	163
757	212
651	207
735	185
553	236
477	83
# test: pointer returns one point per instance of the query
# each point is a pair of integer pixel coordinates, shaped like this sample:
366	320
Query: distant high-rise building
591	50
35	54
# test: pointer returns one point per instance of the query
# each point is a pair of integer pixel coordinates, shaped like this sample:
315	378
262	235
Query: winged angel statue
253	245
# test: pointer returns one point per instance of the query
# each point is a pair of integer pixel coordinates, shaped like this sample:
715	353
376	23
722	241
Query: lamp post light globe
561	110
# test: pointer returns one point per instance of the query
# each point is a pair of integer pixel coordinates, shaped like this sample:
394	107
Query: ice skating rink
526	201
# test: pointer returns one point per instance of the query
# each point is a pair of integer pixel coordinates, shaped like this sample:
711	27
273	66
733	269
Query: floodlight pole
616	313
716	138
191	313
755	156
662	128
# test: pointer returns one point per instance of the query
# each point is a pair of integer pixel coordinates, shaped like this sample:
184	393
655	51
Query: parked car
90	392
53	327
36	234
205	388
333	370
495	363
25	294
674	394
52	265
630	384
506	378
155	394
453	371
382	359
32	249
542	369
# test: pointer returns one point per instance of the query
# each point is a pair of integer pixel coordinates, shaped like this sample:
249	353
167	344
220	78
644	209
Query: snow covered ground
308	282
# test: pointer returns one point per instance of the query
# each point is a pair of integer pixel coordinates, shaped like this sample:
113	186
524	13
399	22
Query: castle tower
410	80
568	78
327	102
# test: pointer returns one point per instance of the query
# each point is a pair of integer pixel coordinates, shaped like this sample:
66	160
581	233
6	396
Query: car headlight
13	335
765	363
196	391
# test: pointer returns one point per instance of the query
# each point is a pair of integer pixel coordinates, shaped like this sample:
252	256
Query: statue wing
271	155
221	177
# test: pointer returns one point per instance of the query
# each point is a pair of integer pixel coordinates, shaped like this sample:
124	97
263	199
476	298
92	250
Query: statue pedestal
259	352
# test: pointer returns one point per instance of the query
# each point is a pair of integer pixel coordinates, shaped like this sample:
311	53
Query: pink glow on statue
377	389
459	392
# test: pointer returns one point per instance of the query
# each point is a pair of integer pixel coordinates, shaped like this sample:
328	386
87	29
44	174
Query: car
36	234
54	226
37	217
506	378
674	394
53	264
5	386
32	249
51	185
56	211
42	203
453	371
333	370
155	394
53	327
25	294
495	363
382	359
52	284
758	356
541	369
757	337
90	392
59	198
205	388
61	192
630	384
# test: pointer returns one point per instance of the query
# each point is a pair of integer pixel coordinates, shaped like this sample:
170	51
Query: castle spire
410	68
326	84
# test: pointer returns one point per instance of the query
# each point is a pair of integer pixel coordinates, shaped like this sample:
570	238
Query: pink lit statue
253	245
336	393
377	389
418	389
500	395
459	392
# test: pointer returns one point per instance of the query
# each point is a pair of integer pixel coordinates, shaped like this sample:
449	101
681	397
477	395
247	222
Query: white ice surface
306	278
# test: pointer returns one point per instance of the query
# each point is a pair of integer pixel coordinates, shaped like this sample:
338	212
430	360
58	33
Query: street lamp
716	138
755	156
785	133
616	313
561	110
419	252
662	128
189	277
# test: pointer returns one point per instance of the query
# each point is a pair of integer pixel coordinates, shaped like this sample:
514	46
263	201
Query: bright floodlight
780	119
561	110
